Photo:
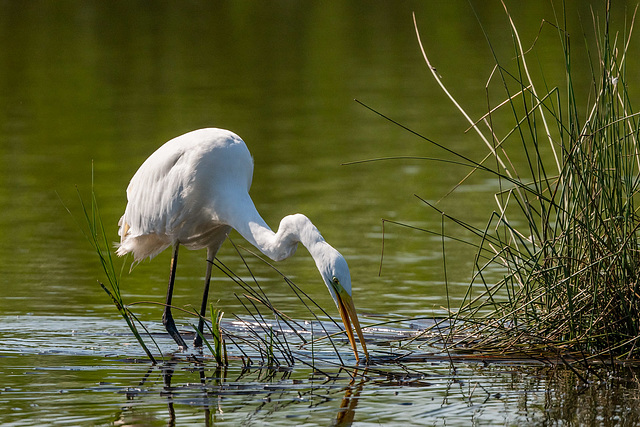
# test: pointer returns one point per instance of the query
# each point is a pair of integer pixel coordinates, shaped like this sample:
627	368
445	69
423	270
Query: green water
98	86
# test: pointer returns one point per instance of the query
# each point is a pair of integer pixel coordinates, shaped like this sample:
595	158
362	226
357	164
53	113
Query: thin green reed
98	239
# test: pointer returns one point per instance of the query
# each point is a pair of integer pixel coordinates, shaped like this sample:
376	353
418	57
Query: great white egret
192	191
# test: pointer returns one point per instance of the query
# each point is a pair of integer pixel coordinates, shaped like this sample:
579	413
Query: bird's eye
336	284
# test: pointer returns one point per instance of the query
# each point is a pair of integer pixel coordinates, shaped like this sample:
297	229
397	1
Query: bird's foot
197	342
182	346
170	326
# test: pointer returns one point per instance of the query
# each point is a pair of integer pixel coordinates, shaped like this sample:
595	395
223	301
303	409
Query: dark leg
167	318
197	342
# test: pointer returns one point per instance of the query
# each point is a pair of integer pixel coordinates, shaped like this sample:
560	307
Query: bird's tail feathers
142	247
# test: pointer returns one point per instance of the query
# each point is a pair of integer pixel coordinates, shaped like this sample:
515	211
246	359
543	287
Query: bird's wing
184	191
156	198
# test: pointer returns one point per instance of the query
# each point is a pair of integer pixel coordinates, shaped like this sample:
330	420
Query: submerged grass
565	232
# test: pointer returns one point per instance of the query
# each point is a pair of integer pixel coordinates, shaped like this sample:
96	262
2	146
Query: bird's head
335	272
331	265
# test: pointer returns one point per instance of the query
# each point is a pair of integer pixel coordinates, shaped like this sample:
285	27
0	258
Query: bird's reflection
209	385
167	374
347	410
250	385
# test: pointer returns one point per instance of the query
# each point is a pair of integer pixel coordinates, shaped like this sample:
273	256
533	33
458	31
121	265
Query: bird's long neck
282	244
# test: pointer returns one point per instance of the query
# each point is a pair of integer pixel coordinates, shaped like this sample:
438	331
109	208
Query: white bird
192	191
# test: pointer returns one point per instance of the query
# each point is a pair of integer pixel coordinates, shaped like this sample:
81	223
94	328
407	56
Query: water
80	377
99	86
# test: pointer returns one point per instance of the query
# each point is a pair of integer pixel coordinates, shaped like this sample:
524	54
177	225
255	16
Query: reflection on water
101	85
72	390
60	381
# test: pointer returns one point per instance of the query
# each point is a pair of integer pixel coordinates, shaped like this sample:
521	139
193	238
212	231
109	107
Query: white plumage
192	191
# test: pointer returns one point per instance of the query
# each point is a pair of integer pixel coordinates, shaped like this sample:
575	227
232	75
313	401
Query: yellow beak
349	316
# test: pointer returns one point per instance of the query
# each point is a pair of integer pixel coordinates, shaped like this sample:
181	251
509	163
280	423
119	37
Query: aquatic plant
566	231
219	347
95	234
565	234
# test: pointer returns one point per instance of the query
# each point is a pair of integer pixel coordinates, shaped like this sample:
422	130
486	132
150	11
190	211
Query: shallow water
59	375
99	86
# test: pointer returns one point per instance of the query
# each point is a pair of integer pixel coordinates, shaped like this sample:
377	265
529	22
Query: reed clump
566	231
